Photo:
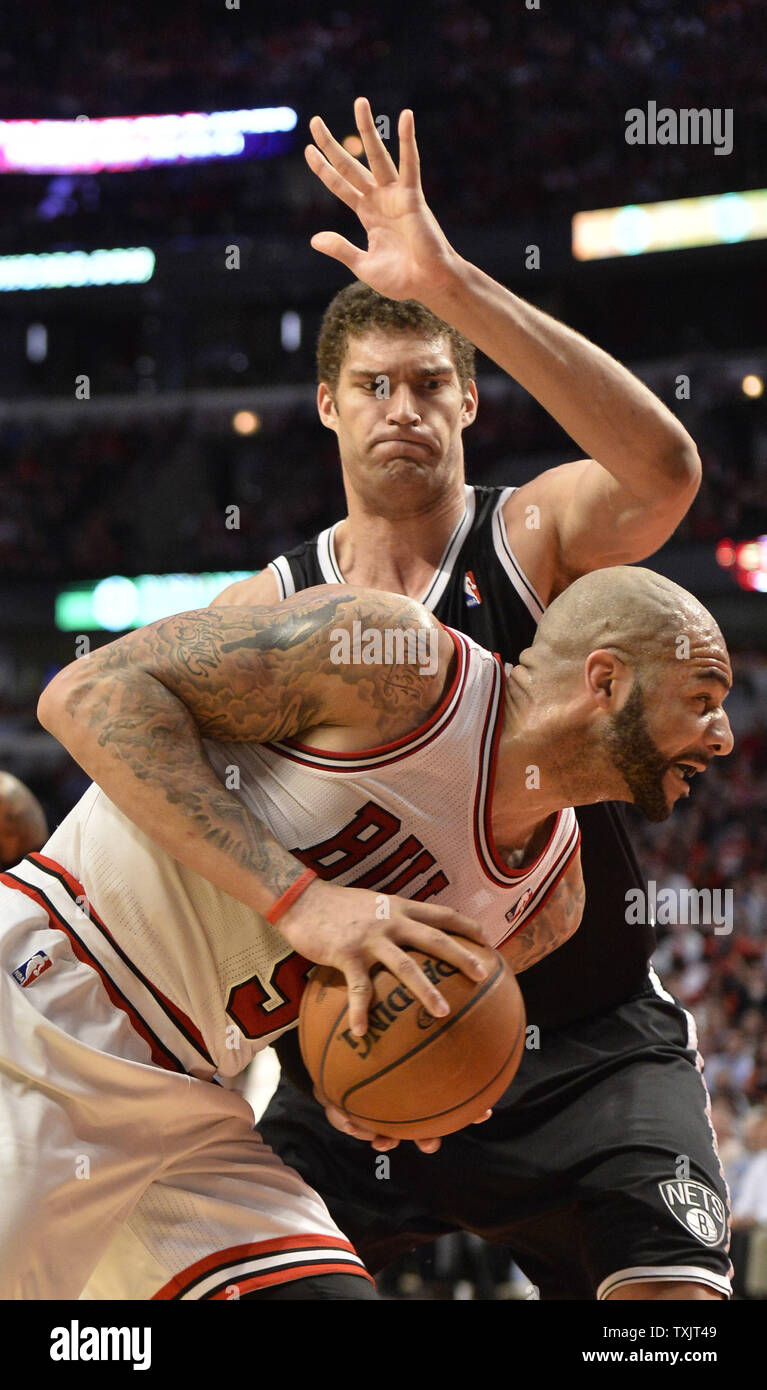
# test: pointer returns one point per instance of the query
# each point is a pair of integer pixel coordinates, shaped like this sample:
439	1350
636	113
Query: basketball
413	1076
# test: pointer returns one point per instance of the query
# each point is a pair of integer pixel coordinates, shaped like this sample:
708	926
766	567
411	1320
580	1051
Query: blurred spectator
750	1208
23	826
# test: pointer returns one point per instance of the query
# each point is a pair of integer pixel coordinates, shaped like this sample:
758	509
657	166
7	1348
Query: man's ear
470	405
326	407
606	677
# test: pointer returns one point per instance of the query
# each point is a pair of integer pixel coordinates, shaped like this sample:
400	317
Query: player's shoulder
359	607
529	517
282	577
261	588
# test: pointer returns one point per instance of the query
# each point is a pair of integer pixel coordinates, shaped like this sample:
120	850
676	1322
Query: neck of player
548	758
393	538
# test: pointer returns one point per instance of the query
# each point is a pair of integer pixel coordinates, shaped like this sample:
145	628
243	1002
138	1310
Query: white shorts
103	1152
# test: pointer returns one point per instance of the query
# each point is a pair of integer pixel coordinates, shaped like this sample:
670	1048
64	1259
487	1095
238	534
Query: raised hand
408	255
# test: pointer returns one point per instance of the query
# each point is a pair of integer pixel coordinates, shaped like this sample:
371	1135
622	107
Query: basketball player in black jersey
598	1169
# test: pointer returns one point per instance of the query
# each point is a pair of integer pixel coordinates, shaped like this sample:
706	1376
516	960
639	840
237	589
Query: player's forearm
611	415
141	745
552	925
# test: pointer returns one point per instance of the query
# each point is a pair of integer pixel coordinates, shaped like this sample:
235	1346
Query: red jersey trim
285	1276
228	1258
362	759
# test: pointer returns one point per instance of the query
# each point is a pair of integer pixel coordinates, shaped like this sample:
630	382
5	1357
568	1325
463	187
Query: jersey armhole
283	574
509	562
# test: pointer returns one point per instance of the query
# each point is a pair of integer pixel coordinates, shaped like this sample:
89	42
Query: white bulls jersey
206	980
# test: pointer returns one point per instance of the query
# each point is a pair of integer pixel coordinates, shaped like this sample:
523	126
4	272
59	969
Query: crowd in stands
520	111
717	841
146	498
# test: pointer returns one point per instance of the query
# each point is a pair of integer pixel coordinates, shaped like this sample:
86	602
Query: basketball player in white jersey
229	748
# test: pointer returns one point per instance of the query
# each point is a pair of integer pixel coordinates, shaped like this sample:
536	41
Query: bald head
633	612
23	825
620	695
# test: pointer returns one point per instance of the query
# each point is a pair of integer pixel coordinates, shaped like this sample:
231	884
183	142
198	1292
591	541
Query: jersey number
246	1001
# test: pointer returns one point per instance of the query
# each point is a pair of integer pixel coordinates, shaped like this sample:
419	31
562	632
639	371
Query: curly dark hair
357	308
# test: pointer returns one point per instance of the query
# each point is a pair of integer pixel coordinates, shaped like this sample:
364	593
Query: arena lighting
641	227
752	386
746	560
37	342
246	422
290	330
138	142
65	270
116	604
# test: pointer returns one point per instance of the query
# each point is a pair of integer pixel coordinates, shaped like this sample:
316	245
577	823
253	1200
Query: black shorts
597	1168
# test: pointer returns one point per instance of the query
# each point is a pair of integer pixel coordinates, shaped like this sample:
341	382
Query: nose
402	407
719	736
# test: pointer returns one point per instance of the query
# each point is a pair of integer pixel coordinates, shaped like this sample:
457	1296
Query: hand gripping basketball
344	928
413	1076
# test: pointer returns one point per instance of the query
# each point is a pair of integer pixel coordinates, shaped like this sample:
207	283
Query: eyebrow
711	674
420	371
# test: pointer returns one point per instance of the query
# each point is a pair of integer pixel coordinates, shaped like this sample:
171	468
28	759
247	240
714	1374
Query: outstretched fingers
409	160
382	165
331	244
332	180
343	163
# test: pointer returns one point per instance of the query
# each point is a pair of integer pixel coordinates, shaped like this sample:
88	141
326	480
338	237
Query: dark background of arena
520	117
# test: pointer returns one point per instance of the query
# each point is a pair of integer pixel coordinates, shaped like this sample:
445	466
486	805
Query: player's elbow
50	703
56	699
682	471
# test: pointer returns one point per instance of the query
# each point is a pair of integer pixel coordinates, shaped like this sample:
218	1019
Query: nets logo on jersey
471	594
696	1208
32	969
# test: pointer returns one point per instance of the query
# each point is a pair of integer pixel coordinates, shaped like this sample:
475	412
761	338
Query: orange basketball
413	1076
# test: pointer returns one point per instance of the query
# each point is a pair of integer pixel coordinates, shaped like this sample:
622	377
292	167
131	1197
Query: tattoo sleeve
133	714
552	925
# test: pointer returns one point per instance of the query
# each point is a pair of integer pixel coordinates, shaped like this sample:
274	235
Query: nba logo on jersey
514	912
472	596
29	971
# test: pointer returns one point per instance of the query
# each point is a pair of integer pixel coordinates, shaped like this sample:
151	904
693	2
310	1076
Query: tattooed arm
552	925
133	715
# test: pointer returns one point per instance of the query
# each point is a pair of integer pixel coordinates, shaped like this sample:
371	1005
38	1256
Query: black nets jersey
479	588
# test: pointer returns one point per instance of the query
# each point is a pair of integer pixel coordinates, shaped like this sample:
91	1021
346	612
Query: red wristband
289	896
